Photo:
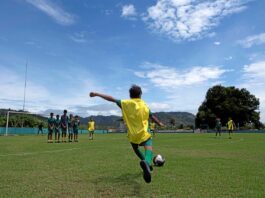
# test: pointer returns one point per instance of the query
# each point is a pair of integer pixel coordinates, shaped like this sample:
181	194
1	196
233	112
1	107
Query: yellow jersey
136	114
152	126
230	125
91	125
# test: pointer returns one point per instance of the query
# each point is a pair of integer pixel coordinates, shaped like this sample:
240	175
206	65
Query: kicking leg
137	151
146	164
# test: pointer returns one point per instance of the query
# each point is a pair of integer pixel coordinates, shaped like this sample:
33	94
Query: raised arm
155	119
105	97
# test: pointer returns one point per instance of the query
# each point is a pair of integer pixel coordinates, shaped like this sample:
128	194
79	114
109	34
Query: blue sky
174	49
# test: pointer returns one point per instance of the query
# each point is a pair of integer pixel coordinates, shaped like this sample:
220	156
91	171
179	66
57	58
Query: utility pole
25	86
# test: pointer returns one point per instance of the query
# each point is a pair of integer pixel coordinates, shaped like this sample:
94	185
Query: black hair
51	113
65	111
57	115
135	91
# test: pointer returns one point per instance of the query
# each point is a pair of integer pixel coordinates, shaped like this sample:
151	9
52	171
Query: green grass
197	165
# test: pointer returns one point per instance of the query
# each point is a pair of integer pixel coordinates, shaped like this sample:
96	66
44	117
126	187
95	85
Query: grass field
197	165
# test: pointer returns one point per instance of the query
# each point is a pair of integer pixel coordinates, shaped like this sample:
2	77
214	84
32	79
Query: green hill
170	119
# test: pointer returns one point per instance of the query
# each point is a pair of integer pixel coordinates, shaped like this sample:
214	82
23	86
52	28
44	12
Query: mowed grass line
197	165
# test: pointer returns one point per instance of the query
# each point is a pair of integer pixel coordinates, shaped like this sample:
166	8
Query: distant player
152	128
57	128
91	128
64	125
136	114
76	124
230	126
218	126
70	128
51	125
40	128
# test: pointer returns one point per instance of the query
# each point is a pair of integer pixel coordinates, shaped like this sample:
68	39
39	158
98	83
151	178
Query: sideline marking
35	153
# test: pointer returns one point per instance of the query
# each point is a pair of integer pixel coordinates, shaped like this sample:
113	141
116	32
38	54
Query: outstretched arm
155	119
105	97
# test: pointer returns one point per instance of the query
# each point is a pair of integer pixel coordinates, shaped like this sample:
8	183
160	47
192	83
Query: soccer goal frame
17	112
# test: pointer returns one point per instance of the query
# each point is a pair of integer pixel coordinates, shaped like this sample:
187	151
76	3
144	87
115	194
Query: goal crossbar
17	112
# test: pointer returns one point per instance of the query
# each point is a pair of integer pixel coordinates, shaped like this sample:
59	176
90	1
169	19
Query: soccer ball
158	160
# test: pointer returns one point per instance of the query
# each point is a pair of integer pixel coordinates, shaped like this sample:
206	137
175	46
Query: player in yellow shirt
230	126
136	114
152	128
91	128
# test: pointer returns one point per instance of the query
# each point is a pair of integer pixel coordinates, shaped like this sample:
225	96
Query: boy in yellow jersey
136	114
91	128
231	126
152	128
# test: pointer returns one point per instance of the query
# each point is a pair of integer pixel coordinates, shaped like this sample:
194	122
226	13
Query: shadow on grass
124	185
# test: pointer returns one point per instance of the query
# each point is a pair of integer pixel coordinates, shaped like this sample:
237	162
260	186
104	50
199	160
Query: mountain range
168	118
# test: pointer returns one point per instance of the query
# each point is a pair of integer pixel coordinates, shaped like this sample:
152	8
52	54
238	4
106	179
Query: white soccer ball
158	160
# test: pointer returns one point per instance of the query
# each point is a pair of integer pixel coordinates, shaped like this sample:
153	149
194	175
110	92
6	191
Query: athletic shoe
151	168
146	171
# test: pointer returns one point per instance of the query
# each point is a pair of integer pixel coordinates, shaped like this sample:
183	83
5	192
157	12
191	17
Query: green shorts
75	131
148	142
64	130
57	131
70	131
50	131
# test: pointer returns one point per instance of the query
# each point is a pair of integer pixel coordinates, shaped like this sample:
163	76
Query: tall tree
225	102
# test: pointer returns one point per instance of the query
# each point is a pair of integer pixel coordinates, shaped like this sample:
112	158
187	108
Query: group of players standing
67	125
64	125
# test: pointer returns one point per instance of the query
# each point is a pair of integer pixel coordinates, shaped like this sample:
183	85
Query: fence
32	131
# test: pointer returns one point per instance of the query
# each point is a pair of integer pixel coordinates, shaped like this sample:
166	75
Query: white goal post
17	112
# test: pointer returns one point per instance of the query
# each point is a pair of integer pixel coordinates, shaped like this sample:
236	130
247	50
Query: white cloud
54	11
217	43
228	58
128	11
79	37
189	19
108	12
255	72
105	109
39	96
254	81
157	107
257	56
180	89
12	89
169	77
252	40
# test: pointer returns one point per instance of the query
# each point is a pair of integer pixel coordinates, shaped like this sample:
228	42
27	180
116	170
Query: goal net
20	122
